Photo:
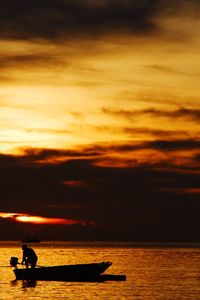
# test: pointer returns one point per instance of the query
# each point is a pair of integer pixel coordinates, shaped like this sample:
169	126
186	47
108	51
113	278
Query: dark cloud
183	112
50	19
94	153
61	18
134	203
167	69
164	145
35	154
146	131
191	114
160	145
158	133
128	114
27	60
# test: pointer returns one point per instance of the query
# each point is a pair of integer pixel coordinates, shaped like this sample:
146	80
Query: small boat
79	272
31	239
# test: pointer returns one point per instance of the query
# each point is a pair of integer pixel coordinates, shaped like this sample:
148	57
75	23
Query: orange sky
122	88
87	91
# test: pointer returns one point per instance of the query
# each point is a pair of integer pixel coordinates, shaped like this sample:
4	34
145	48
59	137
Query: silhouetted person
29	257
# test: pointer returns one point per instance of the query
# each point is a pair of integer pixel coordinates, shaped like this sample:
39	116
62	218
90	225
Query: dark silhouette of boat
31	239
79	273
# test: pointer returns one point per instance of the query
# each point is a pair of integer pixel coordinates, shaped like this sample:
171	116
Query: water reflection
14	283
29	283
25	283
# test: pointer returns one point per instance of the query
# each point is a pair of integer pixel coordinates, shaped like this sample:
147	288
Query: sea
153	271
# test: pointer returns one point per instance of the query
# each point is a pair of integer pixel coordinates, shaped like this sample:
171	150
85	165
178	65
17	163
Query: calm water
152	272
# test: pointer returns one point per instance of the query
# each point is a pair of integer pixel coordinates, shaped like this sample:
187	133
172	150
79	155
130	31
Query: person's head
24	247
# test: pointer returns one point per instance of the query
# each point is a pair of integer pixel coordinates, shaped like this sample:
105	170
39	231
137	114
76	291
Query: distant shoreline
106	244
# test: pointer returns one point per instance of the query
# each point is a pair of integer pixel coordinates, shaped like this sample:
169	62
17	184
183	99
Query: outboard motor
14	261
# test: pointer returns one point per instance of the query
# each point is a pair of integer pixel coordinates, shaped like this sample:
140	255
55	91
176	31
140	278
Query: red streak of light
43	220
25	218
191	190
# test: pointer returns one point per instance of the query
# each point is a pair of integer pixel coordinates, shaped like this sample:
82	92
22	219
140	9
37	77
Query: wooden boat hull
79	272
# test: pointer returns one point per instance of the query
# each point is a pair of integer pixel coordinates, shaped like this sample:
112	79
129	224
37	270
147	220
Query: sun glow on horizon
25	218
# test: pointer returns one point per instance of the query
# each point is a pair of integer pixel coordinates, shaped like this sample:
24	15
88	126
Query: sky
99	119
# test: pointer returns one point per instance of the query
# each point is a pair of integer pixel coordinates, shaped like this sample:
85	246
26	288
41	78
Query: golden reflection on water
152	273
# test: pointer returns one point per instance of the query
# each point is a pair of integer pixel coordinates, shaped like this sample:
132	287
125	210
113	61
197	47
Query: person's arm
23	258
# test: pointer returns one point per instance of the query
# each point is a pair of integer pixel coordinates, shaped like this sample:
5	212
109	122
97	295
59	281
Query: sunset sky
100	119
